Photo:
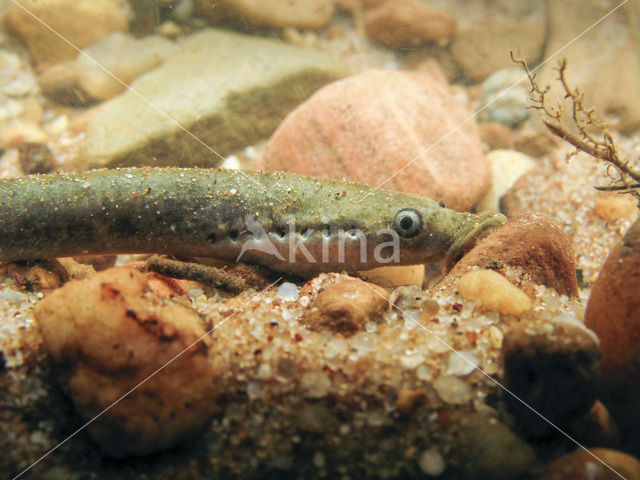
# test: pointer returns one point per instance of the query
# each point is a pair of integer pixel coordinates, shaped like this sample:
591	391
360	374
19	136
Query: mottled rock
228	90
125	57
306	14
595	463
613	312
487	449
505	94
346	306
383	128
554	367
407	22
532	242
109	333
80	22
507	166
494	292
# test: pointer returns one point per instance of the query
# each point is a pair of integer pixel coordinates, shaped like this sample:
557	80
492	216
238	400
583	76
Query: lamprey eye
407	222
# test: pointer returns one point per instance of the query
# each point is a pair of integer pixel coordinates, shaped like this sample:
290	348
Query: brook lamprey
289	223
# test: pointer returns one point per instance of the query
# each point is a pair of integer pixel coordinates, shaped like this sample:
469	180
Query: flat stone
228	90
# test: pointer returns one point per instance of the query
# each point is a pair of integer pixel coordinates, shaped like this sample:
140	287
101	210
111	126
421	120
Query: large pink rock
396	130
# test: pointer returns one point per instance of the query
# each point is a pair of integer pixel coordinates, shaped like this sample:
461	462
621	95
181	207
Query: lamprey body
287	222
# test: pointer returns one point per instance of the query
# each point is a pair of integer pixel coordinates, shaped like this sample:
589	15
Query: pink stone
396	130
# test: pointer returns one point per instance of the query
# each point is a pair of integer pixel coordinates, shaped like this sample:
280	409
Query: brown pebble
597	427
613	312
613	207
532	242
407	22
594	464
535	143
408	399
554	367
496	135
109	333
372	125
346	306
60	82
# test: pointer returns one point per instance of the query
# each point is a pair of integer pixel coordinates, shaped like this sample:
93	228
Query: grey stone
222	91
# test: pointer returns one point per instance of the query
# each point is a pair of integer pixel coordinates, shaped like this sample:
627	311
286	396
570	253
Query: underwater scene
320	239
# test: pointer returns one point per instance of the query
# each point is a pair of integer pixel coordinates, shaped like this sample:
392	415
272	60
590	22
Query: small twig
233	282
585	122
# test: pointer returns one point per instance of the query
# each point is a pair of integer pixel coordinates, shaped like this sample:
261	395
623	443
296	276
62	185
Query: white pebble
411	361
335	347
462	363
288	292
431	462
364	342
12	297
452	390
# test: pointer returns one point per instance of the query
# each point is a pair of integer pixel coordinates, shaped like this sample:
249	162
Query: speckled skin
202	212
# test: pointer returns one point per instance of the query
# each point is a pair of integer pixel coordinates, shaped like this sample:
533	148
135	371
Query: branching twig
599	145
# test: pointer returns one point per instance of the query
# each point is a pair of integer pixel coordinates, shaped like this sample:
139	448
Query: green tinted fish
286	222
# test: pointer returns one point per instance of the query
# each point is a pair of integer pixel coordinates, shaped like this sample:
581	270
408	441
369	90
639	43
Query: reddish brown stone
595	463
532	242
613	312
496	135
346	306
383	128
407	22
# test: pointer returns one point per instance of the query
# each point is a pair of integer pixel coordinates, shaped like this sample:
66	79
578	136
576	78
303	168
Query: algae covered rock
220	92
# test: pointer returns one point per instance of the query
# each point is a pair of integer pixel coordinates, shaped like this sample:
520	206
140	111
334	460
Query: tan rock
496	135
613	312
108	334
407	22
60	82
395	275
305	14
595	463
494	292
385	128
80	22
124	57
612	207
346	306
535	143
483	47
530	241
203	99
